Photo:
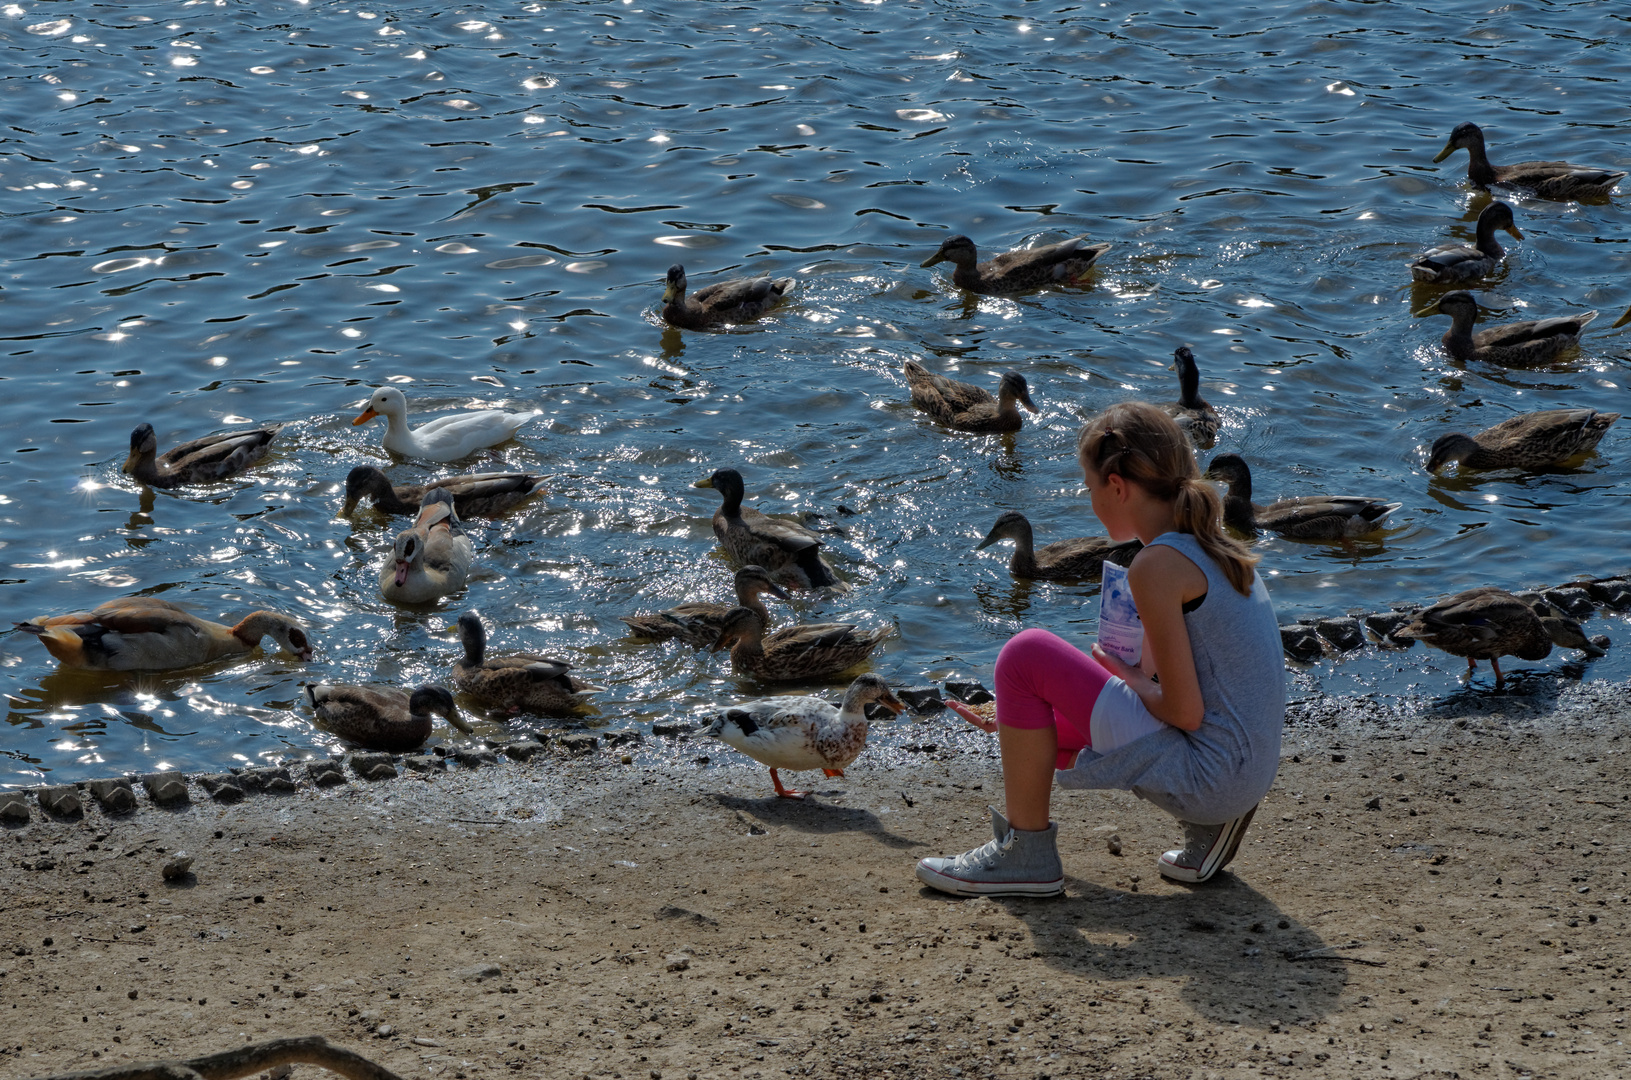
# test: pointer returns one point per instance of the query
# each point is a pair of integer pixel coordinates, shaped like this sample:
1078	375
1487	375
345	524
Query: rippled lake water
215	215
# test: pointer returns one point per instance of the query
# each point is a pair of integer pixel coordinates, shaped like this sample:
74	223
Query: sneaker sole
1222	853
959	887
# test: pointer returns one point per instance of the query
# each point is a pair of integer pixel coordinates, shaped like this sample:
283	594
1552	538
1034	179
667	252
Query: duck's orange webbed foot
833	772
785	792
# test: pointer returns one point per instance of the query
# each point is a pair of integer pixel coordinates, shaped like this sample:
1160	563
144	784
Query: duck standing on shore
517	682
1532	341
1311	517
1489	623
474	494
142	633
214	457
447	438
735	300
796	733
790	552
1064	263
382	717
1548	179
1527	441
1460	262
1076	559
967	407
430	559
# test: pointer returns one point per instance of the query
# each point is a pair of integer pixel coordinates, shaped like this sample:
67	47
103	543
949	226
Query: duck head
740	624
1012	525
363	480
387	401
144	444
674	285
1447	448
753	580
1465	136
868	689
958	250
434	700
473	636
1014	388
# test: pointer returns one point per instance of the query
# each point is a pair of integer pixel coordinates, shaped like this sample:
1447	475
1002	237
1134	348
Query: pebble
273	780
222	787
177	866
922	700
678	962
480	972
577	744
166	788
1113	844
1574	600
325	773
1344	632
1301	642
424	763
473	759
522	750
1384	623
672	729
1614	593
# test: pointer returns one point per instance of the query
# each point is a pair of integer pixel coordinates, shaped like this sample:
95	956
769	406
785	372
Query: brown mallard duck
1527	441
1076	559
214	457
1192	412
382	717
733	301
1530	342
1311	517
797	733
812	651
698	623
1459	262
967	407
790	552
142	633
519	682
1065	263
474	494
1489	623
1548	179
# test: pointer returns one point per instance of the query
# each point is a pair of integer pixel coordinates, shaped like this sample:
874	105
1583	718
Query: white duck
431	559
804	732
447	438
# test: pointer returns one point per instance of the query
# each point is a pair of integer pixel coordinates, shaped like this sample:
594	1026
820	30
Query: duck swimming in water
967	407
1065	263
214	457
1460	262
143	633
516	682
382	717
447	438
1527	441
1534	341
1311	517
733	301
1548	179
790	552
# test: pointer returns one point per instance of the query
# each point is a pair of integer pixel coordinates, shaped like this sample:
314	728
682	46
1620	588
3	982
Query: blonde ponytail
1142	444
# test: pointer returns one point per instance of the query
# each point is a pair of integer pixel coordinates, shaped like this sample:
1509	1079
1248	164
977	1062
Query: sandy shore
1421	895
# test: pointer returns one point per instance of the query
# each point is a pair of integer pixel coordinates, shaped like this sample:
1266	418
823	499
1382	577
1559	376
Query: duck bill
460	722
1513	229
401	572
939	256
893	704
349	508
705	482
778	592
367	415
987	542
670	294
1025	400
305	655
1449	148
129	466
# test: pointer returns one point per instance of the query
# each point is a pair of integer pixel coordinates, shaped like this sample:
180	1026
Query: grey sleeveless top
1223	768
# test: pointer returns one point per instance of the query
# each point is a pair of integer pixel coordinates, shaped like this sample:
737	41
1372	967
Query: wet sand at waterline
1424	894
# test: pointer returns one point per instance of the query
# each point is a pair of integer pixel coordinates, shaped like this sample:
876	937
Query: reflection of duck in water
382	717
804	732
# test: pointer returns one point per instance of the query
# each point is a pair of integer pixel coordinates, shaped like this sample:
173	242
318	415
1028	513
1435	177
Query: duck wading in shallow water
140	633
382	717
811	651
797	733
1458	262
1530	342
447	438
1548	179
1077	559
431	559
515	682
474	494
214	457
1312	517
698	623
1527	441
1489	623
1198	419
967	407
790	552
733	301
1065	263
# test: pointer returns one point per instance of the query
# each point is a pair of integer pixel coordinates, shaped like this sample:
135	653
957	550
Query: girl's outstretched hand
987	726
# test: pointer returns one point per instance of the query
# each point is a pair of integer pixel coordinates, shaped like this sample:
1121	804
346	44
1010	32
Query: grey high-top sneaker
1207	849
1013	863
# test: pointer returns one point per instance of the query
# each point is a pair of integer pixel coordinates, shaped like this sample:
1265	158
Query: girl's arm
1163	580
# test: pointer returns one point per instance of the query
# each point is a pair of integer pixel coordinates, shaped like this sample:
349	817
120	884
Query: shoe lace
986	855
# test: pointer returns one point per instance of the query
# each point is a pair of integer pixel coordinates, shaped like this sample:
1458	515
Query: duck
143	633
1064	263
382	717
517	682
734	300
1461	262
1198	419
1489	623
1311	517
967	407
1526	441
698	623
1075	559
214	457
474	494
797	733
1548	179
431	559
1530	342
790	552
447	438
811	651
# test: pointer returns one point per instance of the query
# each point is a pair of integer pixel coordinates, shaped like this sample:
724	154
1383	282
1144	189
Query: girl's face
1110	498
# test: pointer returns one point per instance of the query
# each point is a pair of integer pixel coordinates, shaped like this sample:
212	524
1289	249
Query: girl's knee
1025	646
